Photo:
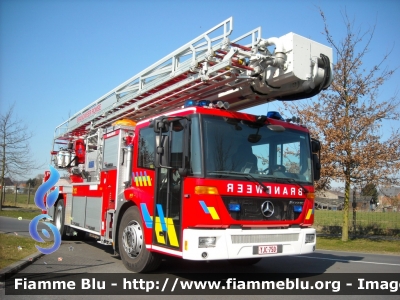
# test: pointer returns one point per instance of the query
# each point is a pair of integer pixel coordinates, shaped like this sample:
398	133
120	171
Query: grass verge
21	213
376	245
14	248
362	223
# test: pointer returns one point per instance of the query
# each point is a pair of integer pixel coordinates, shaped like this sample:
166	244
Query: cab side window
146	148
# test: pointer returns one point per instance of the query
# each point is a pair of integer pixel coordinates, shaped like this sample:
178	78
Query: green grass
20	208
367	223
385	219
20	200
24	214
13	248
380	246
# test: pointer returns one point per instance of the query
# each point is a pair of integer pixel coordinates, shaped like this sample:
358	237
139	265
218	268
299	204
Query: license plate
268	249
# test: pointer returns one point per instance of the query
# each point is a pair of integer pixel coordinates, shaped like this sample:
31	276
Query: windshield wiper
242	174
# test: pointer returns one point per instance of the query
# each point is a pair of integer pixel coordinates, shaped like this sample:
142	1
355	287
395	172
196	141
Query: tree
370	190
15	157
348	116
31	182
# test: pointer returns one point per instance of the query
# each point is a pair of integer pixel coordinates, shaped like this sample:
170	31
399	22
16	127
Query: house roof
390	191
326	195
8	181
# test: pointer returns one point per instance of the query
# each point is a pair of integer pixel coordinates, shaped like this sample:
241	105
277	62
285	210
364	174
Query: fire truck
165	164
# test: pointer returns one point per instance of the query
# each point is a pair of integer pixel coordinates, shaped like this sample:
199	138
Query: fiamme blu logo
52	197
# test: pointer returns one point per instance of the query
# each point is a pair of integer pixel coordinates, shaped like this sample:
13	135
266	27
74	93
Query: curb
17	266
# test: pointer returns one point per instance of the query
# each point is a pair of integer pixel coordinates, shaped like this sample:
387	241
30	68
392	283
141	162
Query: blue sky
58	56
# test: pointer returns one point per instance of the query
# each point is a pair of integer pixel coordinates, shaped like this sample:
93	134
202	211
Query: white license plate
268	249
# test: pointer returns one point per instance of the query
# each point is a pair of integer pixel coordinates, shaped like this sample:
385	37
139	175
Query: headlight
310	238
206	242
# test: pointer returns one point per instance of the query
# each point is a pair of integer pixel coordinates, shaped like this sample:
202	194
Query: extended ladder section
244	72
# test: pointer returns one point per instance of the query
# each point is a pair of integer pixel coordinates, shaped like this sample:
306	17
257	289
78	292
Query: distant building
22	188
9	184
389	198
328	200
333	200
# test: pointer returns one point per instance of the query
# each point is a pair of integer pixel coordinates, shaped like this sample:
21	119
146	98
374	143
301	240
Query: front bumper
239	243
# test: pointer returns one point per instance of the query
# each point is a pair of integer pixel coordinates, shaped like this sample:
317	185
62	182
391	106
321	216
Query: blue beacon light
274	115
297	208
189	103
234	207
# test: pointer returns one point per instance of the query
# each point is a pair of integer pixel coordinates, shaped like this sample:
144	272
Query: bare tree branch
347	117
16	159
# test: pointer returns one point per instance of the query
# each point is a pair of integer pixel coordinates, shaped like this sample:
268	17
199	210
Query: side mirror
315	146
316	167
162	152
159	125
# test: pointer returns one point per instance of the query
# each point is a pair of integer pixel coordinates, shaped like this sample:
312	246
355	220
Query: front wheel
131	244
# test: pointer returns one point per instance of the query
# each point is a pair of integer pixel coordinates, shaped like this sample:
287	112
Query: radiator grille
264	238
250	208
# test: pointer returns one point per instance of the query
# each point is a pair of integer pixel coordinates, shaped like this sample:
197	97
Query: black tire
245	261
59	218
131	244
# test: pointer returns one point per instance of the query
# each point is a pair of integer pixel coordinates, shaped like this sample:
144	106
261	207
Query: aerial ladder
243	72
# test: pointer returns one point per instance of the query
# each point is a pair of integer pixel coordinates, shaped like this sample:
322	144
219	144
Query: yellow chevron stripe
309	214
144	180
149	180
172	233
213	213
158	229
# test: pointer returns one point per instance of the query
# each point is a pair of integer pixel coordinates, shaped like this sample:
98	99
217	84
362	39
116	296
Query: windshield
235	148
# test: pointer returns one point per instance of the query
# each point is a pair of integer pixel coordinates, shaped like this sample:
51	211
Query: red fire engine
165	164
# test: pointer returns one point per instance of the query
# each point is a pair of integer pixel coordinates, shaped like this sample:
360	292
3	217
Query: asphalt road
88	256
20	227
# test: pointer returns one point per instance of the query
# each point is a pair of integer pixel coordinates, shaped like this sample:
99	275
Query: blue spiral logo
39	201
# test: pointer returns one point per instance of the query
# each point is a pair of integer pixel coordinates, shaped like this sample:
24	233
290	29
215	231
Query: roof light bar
206	103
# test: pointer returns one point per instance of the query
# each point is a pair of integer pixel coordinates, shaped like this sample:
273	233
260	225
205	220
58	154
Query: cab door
169	183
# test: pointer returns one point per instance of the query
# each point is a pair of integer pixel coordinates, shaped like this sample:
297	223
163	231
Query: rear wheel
131	244
59	217
66	232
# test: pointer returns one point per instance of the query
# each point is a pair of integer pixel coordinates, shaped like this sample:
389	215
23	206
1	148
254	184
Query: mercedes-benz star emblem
267	209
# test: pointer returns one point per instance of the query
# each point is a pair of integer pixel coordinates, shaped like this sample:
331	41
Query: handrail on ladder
161	71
